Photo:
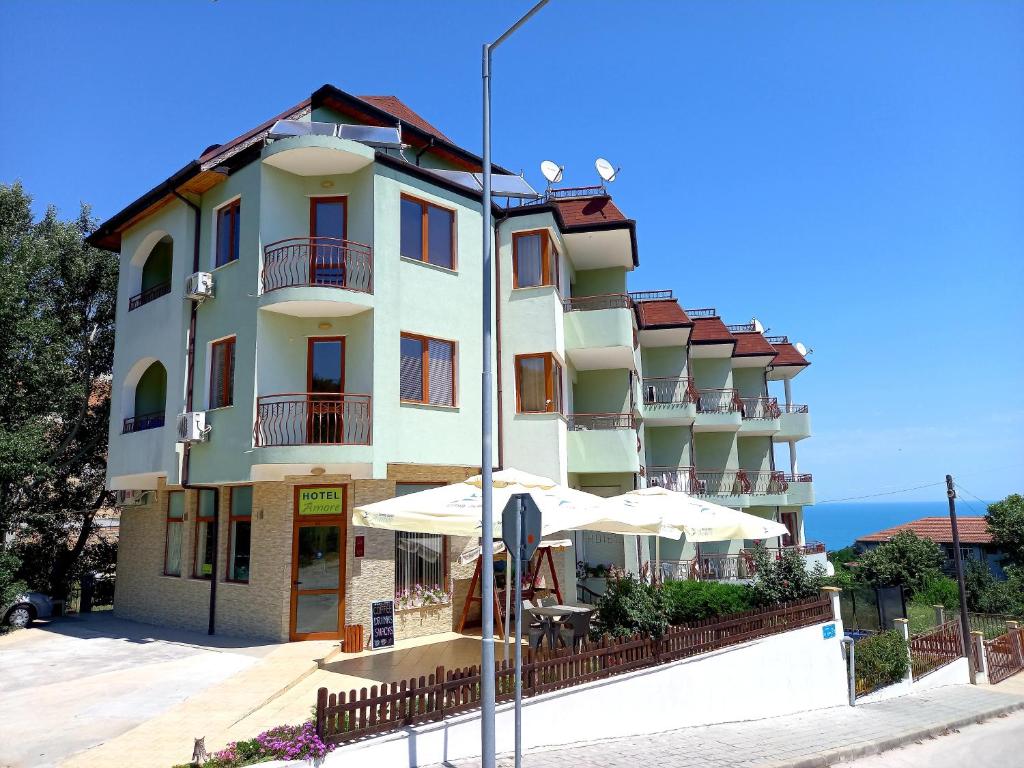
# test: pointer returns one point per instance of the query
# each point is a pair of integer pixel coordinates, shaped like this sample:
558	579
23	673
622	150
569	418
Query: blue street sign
828	631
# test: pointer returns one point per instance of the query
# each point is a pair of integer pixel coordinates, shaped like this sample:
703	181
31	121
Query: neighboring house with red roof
975	539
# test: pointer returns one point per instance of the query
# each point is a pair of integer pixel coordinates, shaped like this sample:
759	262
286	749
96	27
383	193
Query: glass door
327	253
317	604
325	384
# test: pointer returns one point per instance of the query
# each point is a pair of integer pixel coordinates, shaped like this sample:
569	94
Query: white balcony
602	442
599	332
669	401
718	410
794	423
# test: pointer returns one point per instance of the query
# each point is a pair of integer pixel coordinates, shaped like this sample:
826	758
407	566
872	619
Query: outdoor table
550	615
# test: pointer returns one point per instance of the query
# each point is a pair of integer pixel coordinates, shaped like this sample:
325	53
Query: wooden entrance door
325	383
318	563
328	224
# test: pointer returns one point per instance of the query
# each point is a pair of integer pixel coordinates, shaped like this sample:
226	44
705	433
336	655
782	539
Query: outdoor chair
573	632
548	601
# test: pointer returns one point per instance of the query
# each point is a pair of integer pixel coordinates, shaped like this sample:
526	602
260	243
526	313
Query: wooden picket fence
341	717
935	649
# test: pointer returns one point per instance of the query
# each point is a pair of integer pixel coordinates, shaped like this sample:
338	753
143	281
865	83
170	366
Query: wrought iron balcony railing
763	483
148	295
584	422
727	482
793	408
604	301
313	418
760	407
318	261
668	390
718	401
702	312
143	421
650	295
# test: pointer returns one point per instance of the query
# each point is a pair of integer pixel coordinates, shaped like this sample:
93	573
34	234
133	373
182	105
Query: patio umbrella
455	510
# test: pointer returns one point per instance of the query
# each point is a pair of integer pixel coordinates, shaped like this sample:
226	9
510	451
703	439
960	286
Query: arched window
150	400
155	273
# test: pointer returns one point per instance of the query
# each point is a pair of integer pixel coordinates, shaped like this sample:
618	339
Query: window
534	259
538	384
428	232
239	533
427	370
173	528
227	232
202	567
222	372
421	560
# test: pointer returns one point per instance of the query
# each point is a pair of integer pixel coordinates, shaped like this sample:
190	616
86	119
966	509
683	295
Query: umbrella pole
508	597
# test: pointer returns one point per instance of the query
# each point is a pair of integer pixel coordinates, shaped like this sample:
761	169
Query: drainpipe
419	154
189	391
497	350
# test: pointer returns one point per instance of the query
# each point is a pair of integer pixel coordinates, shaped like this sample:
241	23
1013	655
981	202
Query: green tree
57	303
1005	521
905	559
783	579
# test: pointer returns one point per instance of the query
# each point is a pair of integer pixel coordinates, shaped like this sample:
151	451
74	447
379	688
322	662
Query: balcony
794	423
800	490
143	422
760	416
718	410
148	295
317	277
734	567
669	401
734	488
599	331
308	418
603	442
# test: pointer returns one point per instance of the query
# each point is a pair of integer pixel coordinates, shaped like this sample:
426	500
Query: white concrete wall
792	672
954	673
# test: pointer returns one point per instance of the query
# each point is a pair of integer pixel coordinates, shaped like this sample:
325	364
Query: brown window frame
425	364
195	535
446	568
231	211
168	522
232	519
551	363
228	393
550	273
425	206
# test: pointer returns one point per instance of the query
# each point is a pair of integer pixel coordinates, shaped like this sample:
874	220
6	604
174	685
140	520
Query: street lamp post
487	754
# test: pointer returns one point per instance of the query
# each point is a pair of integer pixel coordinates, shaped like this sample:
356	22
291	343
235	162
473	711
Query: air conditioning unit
199	286
131	498
192	427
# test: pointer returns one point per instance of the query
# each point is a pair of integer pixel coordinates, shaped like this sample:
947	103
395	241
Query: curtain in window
532	392
411	370
172	556
441	361
222	372
419	562
556	387
528	261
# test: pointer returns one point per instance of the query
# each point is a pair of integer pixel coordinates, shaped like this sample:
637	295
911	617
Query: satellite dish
605	169
552	172
757	325
799	347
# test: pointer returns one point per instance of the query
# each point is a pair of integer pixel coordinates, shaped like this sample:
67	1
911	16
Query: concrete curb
842	754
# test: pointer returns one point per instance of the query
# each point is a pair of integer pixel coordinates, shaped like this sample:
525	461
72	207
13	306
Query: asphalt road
996	743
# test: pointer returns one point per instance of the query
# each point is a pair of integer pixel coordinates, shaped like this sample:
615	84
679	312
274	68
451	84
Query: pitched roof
752	344
661	313
395	106
973	530
786	354
710	330
581	212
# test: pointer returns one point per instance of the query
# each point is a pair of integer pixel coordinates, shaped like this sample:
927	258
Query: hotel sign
322	500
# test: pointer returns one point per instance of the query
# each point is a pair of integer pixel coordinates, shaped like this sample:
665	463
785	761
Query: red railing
590	303
760	407
320	261
935	649
583	422
668	390
793	408
313	418
719	401
1005	655
762	483
148	295
143	421
342	718
701	312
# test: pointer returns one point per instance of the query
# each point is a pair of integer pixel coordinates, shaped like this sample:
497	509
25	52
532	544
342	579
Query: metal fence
935	649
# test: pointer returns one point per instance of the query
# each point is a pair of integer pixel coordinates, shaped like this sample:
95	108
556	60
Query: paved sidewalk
807	740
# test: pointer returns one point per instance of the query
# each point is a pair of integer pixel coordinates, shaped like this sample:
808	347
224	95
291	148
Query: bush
905	560
697	600
285	742
880	660
939	590
783	579
630	606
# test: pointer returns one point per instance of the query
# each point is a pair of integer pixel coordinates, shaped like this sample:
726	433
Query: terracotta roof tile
710	330
751	344
787	355
395	106
588	210
973	530
660	313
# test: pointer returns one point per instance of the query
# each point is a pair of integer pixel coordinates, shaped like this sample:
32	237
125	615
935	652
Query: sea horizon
839	524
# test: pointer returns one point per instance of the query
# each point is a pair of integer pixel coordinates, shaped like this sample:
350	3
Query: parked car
26	608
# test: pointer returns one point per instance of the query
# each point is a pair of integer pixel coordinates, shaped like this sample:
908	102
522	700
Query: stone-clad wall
261	608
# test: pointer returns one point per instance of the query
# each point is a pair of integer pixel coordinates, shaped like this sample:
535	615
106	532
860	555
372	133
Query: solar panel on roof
462	178
285	128
372	134
508	185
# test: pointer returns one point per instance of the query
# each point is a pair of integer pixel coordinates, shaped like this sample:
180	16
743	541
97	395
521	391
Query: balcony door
325	367
328	224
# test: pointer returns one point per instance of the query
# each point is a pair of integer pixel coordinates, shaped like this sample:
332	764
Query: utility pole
965	621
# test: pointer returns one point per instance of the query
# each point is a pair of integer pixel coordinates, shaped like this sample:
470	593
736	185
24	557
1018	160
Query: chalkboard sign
383	622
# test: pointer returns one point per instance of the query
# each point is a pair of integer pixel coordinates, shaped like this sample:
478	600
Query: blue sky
851	173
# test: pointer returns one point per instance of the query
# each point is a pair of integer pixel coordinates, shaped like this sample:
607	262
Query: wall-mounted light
317	471
327	184
324	326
